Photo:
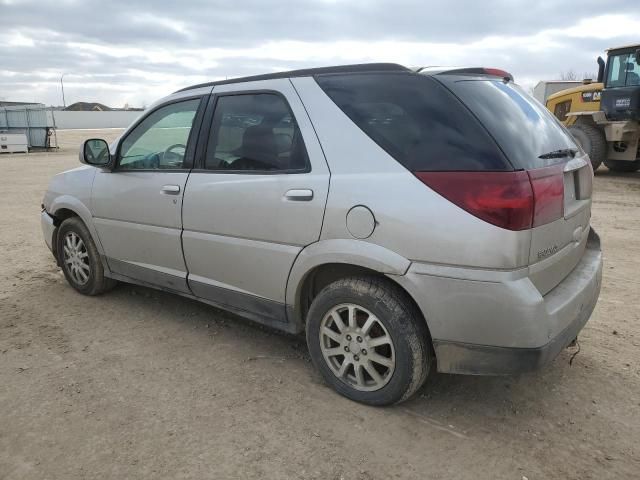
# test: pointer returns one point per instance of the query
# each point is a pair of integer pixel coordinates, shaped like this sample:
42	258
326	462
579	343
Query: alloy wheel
357	347
76	258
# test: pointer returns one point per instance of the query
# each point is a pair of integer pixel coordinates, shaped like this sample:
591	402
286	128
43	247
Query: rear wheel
623	165
368	341
592	141
80	259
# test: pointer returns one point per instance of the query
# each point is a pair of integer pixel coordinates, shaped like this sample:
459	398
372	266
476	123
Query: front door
136	207
256	201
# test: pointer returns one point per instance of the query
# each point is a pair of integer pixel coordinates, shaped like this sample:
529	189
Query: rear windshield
416	120
523	128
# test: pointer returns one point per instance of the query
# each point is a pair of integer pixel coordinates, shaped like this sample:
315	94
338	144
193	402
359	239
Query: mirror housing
95	152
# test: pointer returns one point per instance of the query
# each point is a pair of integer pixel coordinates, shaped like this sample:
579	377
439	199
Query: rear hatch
482	143
559	172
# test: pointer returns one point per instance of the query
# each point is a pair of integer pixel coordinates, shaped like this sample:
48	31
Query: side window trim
206	130
189	155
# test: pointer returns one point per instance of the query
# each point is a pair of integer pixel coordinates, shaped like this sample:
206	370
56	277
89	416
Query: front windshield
623	70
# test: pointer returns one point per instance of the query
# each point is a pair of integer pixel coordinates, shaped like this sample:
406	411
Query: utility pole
64	103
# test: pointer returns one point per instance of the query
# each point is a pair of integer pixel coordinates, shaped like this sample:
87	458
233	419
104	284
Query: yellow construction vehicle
604	116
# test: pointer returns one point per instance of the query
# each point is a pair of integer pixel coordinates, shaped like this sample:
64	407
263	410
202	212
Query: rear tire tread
597	148
411	327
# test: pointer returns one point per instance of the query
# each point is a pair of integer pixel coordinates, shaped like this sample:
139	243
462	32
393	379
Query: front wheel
80	259
368	340
623	165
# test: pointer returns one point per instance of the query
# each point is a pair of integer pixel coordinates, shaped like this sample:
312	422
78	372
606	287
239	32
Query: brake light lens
512	200
548	193
498	73
504	199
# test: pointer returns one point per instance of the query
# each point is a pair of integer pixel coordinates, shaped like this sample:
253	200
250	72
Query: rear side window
255	133
524	128
416	120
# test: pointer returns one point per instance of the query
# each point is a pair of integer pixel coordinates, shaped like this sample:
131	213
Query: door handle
299	195
170	189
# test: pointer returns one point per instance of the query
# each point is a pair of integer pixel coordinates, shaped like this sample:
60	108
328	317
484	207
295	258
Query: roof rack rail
307	72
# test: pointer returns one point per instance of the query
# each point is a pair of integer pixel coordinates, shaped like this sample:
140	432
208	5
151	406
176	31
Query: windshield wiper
563	152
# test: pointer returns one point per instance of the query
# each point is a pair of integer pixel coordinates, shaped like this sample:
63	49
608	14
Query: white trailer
34	120
13	142
544	88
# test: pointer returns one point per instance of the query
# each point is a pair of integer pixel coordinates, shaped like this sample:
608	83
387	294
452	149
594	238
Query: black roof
623	49
308	72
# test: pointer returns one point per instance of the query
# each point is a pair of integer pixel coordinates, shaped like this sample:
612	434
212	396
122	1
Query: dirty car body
450	188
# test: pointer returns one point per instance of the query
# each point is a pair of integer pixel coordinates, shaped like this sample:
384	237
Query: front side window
160	140
255	132
623	71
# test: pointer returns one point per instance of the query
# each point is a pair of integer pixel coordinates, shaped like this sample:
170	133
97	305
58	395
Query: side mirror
95	151
638	56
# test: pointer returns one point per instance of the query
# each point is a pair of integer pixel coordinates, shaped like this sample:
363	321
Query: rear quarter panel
411	219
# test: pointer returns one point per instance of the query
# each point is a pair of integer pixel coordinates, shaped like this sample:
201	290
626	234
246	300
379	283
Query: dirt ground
143	384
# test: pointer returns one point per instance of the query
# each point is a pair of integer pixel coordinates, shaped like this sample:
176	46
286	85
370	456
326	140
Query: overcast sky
117	52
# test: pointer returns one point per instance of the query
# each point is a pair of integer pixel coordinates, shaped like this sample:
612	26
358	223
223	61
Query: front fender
69	202
352	252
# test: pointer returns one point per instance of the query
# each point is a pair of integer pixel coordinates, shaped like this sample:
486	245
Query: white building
545	88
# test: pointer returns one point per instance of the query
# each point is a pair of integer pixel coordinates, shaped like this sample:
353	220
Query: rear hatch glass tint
416	120
527	132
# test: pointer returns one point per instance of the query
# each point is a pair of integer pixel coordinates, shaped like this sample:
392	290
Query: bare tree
568	75
571	75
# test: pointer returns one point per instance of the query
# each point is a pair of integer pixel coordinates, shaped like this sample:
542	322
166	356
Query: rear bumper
471	359
503	325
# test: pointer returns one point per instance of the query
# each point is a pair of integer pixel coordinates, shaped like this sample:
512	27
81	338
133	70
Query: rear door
560	173
256	198
137	206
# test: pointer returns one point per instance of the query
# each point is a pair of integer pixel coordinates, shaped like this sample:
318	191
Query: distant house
88	107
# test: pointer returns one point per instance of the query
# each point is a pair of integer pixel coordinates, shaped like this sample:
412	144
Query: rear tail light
511	200
548	193
504	199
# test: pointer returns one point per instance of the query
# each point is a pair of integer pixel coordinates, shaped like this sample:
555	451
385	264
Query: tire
623	165
79	258
592	141
387	328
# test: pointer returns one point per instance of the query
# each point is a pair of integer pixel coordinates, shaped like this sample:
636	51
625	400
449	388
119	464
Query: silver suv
407	221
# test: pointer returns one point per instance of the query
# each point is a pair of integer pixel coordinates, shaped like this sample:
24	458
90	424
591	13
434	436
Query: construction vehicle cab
604	117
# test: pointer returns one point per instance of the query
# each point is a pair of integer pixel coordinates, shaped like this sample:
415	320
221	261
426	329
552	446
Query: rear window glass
255	132
416	120
523	128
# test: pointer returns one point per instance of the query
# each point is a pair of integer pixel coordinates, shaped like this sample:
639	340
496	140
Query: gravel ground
144	384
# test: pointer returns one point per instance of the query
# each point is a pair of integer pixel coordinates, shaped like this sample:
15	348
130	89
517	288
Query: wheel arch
327	261
66	206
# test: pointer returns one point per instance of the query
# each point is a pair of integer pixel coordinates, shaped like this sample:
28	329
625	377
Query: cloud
116	52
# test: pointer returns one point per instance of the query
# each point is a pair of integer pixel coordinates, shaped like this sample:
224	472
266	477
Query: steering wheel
169	152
